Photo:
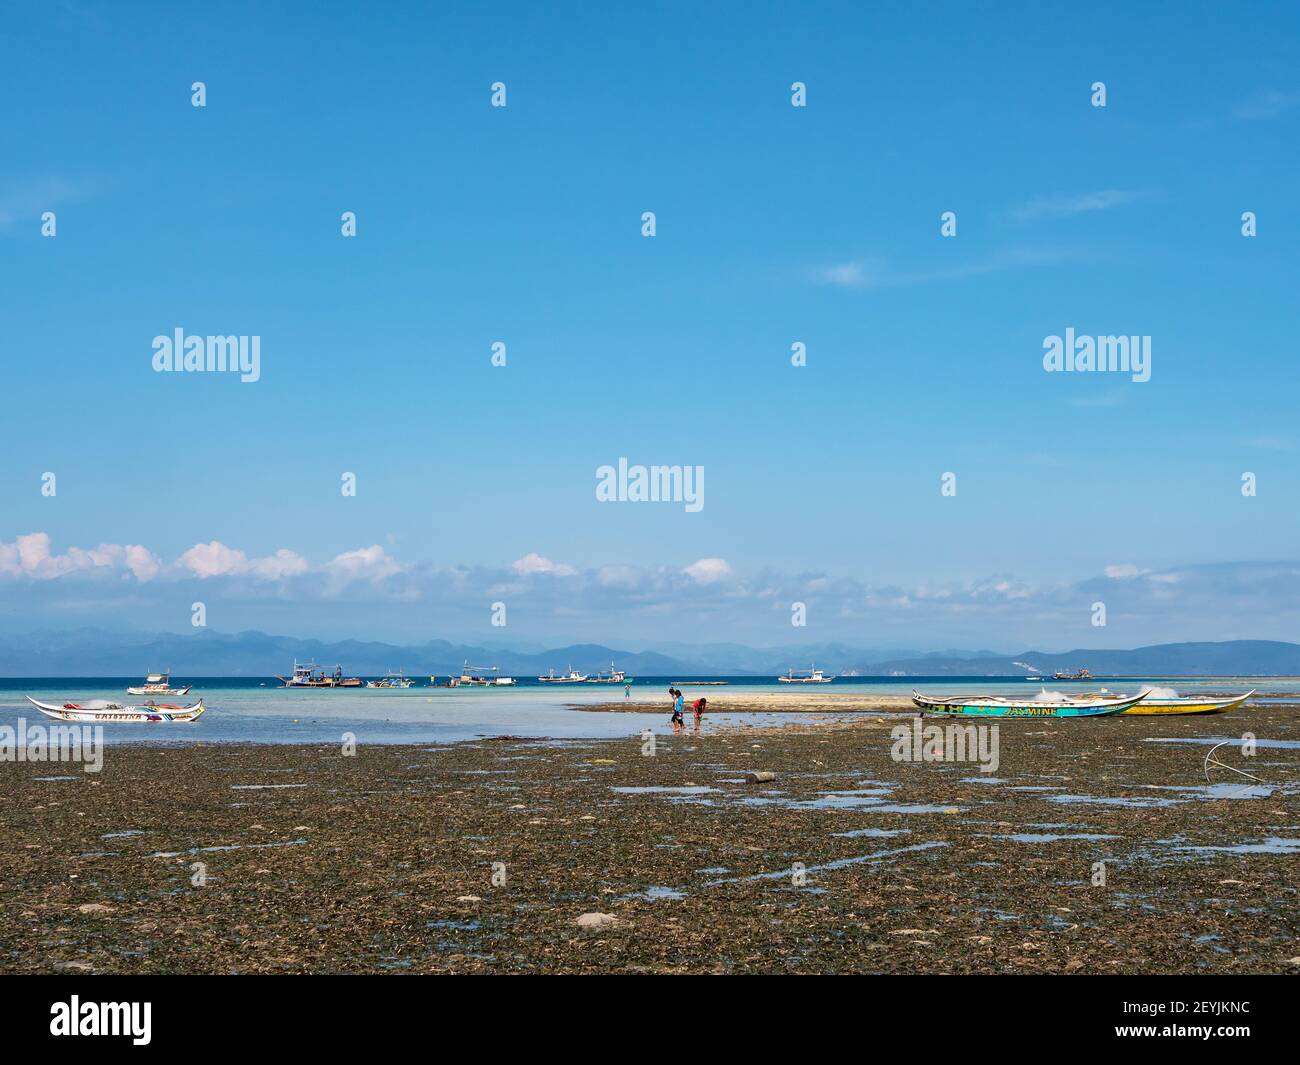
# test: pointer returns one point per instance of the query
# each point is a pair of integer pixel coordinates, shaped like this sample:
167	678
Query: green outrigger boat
991	706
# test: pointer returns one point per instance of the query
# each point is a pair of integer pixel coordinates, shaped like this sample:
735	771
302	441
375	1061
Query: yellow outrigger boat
1153	705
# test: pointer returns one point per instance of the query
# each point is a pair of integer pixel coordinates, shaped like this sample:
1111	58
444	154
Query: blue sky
776	224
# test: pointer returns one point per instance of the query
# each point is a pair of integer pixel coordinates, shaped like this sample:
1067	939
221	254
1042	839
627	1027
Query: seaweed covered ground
1090	849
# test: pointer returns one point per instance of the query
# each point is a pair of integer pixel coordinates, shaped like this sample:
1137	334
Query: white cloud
877	274
1268	103
30	556
708	570
26	201
215	559
370	563
846	275
534	563
284	563
212	560
1122	571
1064	206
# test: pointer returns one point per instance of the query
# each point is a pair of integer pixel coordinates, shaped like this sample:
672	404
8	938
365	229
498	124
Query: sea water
260	710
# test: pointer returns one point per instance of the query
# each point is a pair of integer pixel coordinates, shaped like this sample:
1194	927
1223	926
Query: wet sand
383	862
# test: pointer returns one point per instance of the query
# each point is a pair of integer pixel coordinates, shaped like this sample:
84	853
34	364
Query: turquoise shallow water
244	710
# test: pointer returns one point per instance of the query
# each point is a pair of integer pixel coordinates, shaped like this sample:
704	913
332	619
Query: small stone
94	907
469	898
75	966
595	921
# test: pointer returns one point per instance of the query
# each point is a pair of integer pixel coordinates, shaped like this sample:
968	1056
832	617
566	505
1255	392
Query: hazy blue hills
1229	658
91	652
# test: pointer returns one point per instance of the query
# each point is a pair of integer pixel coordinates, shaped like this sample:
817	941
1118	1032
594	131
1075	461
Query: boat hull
115	712
159	691
1148	707
962	708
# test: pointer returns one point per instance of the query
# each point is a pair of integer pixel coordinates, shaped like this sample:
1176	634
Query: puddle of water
656	893
838	863
457	926
53	778
1047	837
226	847
1272	845
1231	741
874	833
1139	802
263	787
1223	791
122	835
983	780
659	790
850	801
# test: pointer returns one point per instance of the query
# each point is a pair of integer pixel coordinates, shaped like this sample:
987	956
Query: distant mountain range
1250	658
92	652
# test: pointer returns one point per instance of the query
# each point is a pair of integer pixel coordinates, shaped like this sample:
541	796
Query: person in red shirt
698	706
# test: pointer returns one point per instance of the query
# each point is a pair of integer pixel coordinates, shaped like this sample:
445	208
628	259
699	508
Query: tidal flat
1096	846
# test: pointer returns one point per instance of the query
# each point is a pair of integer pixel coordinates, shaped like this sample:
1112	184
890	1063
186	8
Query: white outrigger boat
805	676
101	710
159	684
572	677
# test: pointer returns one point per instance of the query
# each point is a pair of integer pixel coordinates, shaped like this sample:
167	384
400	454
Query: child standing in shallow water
698	706
679	720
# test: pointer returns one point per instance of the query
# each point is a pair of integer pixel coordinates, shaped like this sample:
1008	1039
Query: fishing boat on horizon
805	676
572	677
484	676
102	710
307	675
995	706
159	684
1065	674
391	679
614	676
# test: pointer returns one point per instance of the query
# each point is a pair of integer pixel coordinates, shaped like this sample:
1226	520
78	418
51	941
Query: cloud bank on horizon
369	593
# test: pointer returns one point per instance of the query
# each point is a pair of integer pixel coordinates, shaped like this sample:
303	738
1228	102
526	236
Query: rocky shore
1089	849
